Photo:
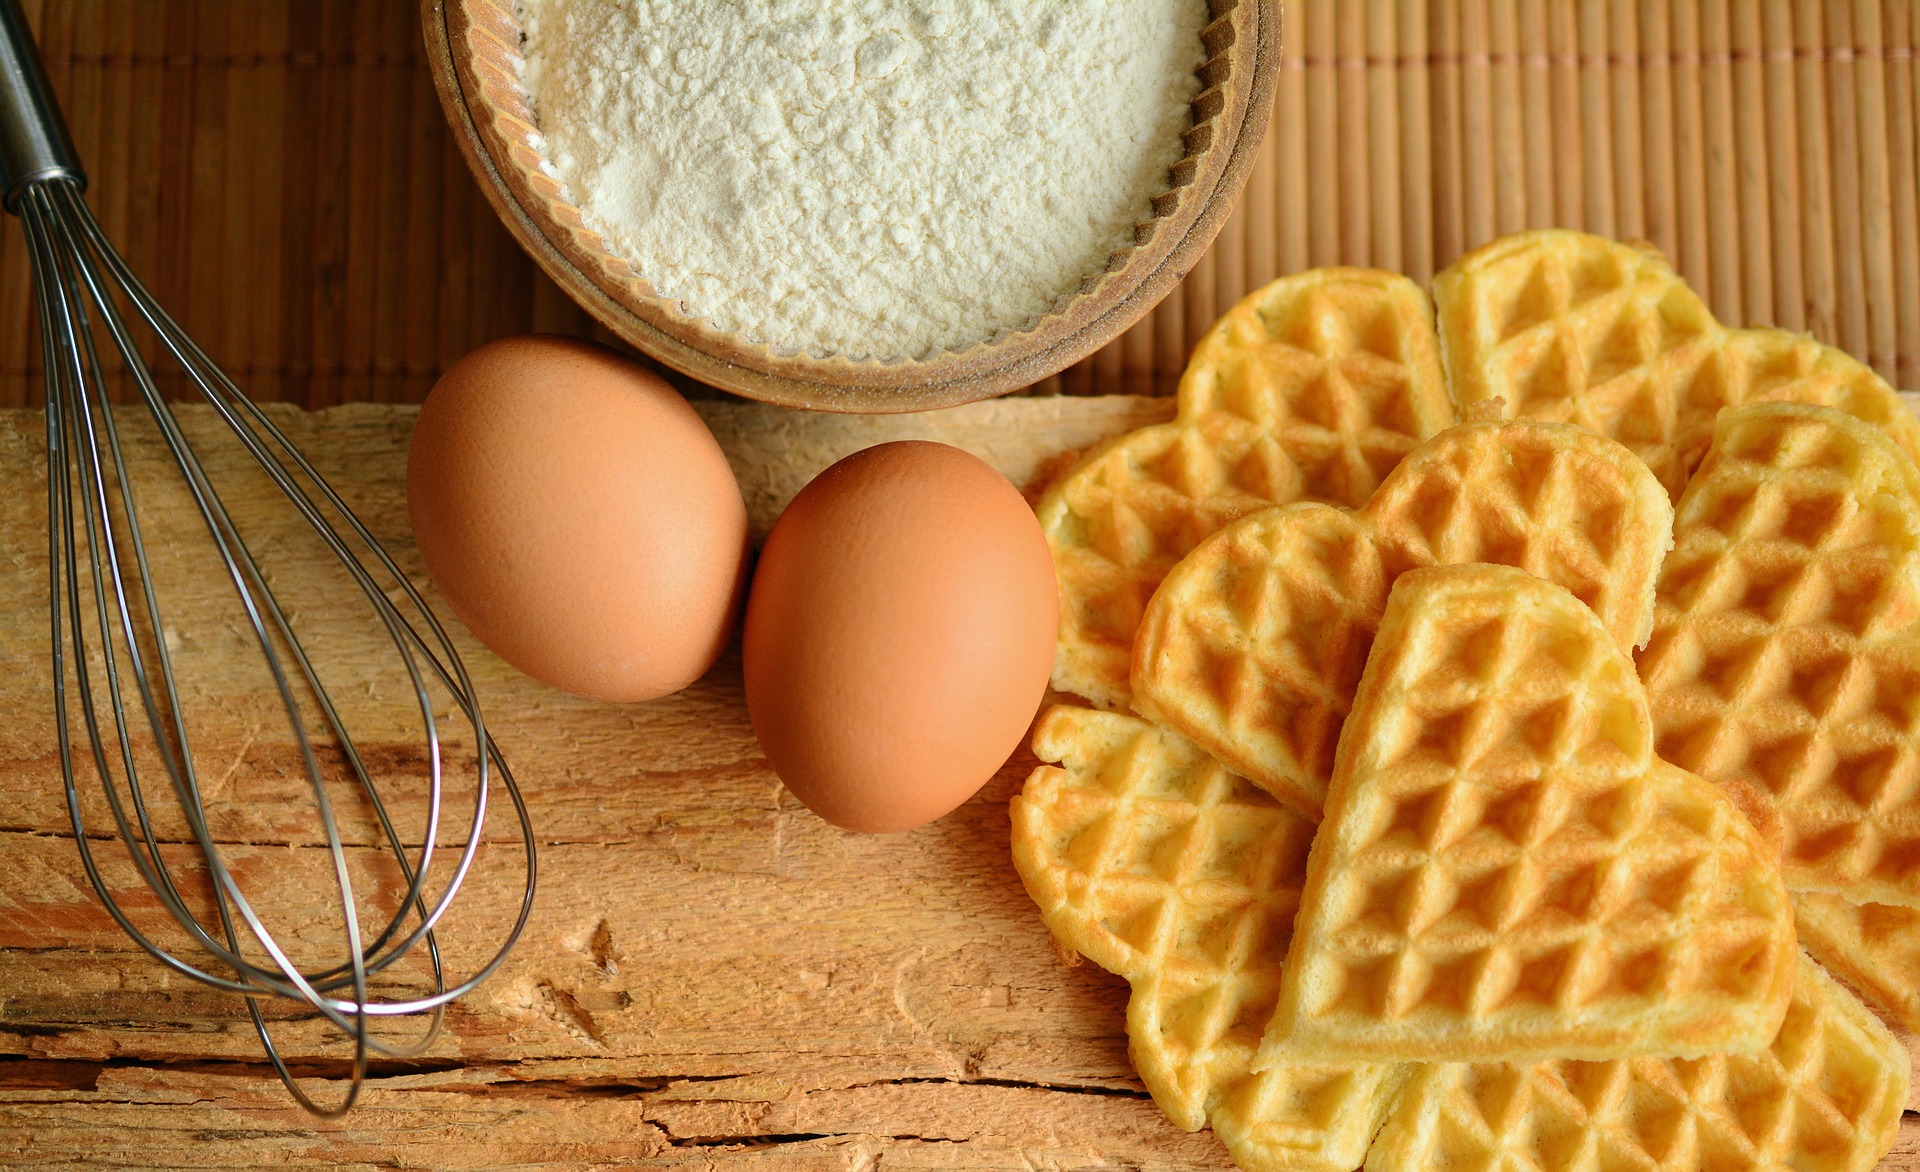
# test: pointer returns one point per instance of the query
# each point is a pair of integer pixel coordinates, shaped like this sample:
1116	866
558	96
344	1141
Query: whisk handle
34	144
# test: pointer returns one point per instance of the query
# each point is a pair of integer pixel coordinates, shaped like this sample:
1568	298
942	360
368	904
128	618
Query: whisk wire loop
80	278
249	424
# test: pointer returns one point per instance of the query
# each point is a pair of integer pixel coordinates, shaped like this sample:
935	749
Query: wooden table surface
713	977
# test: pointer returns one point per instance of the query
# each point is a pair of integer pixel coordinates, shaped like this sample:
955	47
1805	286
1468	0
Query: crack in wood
27	1073
751	1140
754	1140
1116	1092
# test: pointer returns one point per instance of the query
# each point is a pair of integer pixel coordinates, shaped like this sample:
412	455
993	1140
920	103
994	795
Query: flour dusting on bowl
863	179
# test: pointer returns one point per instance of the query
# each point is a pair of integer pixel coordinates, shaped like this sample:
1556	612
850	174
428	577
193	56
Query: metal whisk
110	637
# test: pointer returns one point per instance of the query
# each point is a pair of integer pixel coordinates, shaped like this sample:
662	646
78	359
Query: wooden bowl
472	46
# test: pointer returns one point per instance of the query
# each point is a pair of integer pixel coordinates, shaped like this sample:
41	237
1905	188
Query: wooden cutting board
713	978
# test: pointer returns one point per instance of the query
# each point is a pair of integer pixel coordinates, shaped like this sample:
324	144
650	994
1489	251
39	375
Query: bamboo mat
281	175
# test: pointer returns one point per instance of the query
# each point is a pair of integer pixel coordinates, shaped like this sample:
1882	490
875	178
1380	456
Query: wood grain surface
281	175
713	978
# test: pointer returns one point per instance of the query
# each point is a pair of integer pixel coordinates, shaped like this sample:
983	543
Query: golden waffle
1875	946
1824	1097
1579	329
1254	643
1786	646
1312	387
1159	865
1506	871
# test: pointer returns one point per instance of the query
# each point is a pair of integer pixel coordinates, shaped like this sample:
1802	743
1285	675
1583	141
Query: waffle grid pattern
1786	648
1574	328
1874	946
1505	872
1825	1096
1313	387
1254	644
1148	857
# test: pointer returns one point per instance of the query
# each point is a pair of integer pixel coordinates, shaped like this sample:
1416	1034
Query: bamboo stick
1356	198
1723	223
1816	180
1199	309
1689	150
1477	125
1623	70
1569	131
1449	197
1536	115
1911	345
1139	374
350	346
171	265
1257	201
1876	196
1380	49
1662	212
1416	129
1287	146
1169	347
517	278
211	316
420	313
386	371
456	268
1108	364
266	172
1230	261
1596	118
336	127
1906	199
239	210
1848	235
1755	215
1323	131
1783	165
390	335
1504	123
369	123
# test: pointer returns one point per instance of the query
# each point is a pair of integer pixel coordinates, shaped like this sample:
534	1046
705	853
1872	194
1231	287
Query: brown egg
899	634
578	516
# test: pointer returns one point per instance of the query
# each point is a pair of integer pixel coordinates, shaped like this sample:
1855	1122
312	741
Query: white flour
867	178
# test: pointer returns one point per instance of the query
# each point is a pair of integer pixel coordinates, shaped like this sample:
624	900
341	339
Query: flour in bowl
864	178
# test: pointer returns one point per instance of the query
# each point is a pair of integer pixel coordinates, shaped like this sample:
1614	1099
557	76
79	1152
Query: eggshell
578	516
899	634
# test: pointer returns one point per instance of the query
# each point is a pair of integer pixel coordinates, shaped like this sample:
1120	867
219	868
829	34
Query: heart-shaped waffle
1826	1095
1506	871
1149	858
1254	643
1786	645
1579	329
1312	387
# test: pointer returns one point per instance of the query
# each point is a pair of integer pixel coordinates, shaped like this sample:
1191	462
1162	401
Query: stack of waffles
1493	695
